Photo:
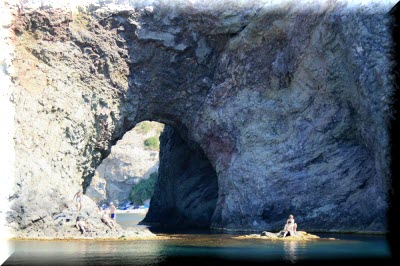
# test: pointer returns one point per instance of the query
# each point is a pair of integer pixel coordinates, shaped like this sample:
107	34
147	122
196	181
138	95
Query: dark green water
196	247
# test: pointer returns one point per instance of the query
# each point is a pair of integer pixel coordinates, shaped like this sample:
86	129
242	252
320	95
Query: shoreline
137	211
91	238
227	230
167	236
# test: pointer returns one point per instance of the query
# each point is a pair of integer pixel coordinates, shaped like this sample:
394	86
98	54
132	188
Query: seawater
194	244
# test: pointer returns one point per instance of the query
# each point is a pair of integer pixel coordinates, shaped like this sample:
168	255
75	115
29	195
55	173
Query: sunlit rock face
129	162
288	102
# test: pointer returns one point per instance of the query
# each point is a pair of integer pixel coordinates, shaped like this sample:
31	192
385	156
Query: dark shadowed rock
187	187
289	103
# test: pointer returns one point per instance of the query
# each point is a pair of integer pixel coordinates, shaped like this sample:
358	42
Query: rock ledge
300	236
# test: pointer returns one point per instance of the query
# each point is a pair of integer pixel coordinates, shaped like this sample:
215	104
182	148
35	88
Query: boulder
299	236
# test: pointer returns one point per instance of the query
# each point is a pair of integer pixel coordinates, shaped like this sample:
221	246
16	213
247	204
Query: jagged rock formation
62	226
187	188
129	162
288	102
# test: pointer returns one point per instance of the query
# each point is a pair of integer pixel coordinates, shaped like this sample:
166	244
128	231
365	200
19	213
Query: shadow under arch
186	191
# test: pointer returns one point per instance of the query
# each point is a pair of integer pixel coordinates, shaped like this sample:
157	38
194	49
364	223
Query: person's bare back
78	200
290	226
105	218
83	225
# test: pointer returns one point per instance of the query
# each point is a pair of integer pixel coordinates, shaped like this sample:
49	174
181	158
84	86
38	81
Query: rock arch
292	118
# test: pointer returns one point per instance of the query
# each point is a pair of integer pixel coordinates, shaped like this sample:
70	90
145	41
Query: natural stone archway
289	103
130	162
187	188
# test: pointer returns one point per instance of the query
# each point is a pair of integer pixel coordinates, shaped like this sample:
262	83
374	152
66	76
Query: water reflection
153	252
87	253
292	250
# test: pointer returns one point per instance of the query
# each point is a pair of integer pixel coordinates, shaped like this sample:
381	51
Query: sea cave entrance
156	178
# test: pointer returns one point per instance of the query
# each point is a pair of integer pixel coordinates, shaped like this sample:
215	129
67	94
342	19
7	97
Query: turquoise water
201	247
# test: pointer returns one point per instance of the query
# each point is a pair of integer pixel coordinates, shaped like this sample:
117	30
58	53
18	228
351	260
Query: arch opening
157	179
296	126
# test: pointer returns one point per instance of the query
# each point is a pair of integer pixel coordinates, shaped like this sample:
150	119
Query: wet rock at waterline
289	104
299	236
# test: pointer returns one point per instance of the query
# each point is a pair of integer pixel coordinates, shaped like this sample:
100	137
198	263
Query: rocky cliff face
289	102
187	188
129	162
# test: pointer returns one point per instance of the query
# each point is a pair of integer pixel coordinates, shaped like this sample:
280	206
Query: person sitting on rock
113	211
78	199
290	226
105	218
83	225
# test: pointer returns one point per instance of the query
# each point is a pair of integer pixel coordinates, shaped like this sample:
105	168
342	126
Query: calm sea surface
199	245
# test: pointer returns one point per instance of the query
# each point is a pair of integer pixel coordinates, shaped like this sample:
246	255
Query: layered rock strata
289	102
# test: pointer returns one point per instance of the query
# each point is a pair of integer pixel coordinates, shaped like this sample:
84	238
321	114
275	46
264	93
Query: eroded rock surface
299	236
63	226
289	102
129	162
187	188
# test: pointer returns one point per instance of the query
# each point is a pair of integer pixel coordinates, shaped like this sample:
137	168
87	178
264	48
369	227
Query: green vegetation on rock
143	190
147	126
144	127
152	143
